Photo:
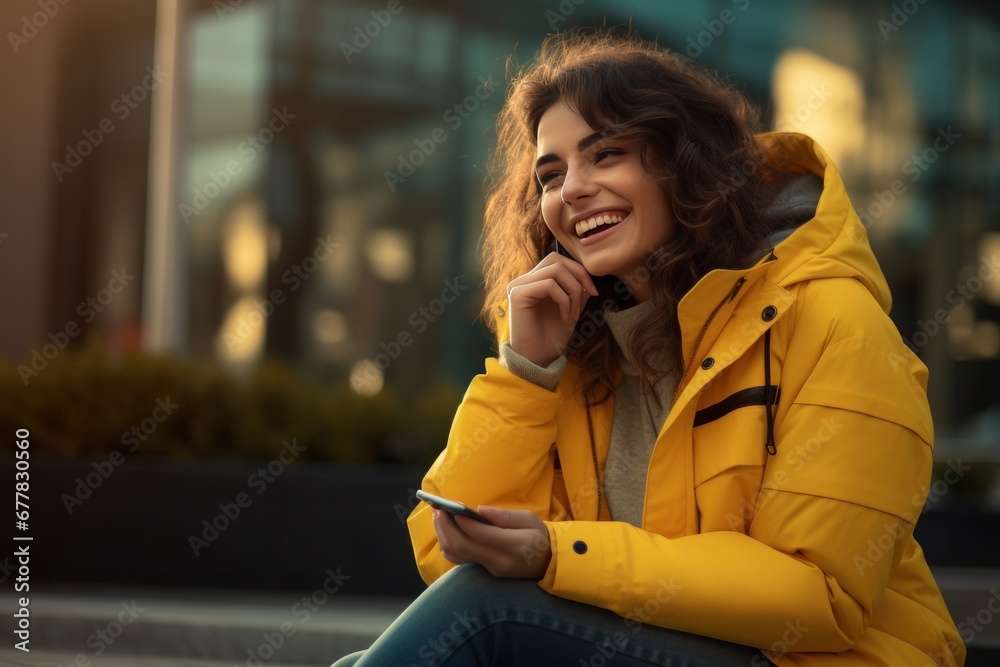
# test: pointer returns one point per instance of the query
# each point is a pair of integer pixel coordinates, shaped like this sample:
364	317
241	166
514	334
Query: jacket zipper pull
736	288
769	400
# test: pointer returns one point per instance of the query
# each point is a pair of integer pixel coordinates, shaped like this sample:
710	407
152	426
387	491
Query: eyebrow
583	145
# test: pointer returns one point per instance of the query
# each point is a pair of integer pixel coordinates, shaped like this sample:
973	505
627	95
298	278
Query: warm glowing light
366	378
989	266
330	326
960	324
985	339
390	254
820	98
245	245
241	336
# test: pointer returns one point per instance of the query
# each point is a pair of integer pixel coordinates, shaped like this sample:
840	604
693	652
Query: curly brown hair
699	142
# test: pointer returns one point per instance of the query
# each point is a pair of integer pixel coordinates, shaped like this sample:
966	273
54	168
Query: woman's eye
548	177
606	153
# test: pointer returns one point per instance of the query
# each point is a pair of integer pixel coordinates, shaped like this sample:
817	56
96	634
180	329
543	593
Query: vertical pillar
164	313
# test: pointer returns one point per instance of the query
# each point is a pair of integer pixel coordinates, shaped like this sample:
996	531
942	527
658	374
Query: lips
587	227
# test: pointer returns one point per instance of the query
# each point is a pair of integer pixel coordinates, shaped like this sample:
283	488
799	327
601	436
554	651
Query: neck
640	289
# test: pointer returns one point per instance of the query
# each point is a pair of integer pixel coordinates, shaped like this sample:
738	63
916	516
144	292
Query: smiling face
597	198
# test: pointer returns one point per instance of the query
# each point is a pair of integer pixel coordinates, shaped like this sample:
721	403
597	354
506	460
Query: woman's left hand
516	546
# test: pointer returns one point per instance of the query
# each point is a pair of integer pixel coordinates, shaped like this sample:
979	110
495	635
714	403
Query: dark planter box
143	524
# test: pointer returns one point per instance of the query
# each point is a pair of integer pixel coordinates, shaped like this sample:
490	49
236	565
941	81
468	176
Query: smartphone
451	507
562	251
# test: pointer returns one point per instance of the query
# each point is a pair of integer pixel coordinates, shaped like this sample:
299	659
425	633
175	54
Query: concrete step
15	658
238	627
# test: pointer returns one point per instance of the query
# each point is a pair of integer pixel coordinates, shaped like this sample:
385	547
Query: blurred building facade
304	178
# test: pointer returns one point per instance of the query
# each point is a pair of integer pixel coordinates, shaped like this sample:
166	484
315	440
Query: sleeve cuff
546	377
548	580
577	568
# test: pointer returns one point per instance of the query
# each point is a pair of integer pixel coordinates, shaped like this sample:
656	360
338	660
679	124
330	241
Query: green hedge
85	403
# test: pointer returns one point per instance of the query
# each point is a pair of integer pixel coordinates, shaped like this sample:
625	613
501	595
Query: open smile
586	227
597	228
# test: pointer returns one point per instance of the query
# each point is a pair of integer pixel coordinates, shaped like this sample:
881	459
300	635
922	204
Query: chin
599	266
600	269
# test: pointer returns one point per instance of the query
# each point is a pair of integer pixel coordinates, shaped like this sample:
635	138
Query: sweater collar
622	324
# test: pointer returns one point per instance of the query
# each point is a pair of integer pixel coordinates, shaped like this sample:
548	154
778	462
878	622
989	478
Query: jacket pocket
729	458
730	434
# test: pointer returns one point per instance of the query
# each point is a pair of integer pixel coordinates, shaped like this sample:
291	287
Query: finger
508	518
467	547
448	535
566	281
477	530
535	293
508	552
488	545
574	279
502	539
454	540
556	262
514	527
579	272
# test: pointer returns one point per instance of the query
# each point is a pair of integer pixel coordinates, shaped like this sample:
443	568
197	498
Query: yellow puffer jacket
806	552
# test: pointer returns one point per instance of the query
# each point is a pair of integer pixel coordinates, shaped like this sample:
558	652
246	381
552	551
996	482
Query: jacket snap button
708	363
769	313
580	547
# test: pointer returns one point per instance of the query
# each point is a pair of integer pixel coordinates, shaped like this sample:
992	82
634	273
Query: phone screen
452	507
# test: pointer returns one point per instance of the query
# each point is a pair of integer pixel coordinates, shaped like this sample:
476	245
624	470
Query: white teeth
584	226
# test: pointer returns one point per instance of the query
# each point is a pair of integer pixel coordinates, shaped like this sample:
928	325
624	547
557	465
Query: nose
577	185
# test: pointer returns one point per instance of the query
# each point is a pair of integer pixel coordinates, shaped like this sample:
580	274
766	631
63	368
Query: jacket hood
834	243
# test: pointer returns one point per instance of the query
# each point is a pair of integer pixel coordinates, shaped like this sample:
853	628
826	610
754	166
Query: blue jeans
469	617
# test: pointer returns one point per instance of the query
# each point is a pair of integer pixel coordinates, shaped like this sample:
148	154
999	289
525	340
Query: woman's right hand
544	305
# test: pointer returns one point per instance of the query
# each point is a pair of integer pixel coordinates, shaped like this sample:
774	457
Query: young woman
703	441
